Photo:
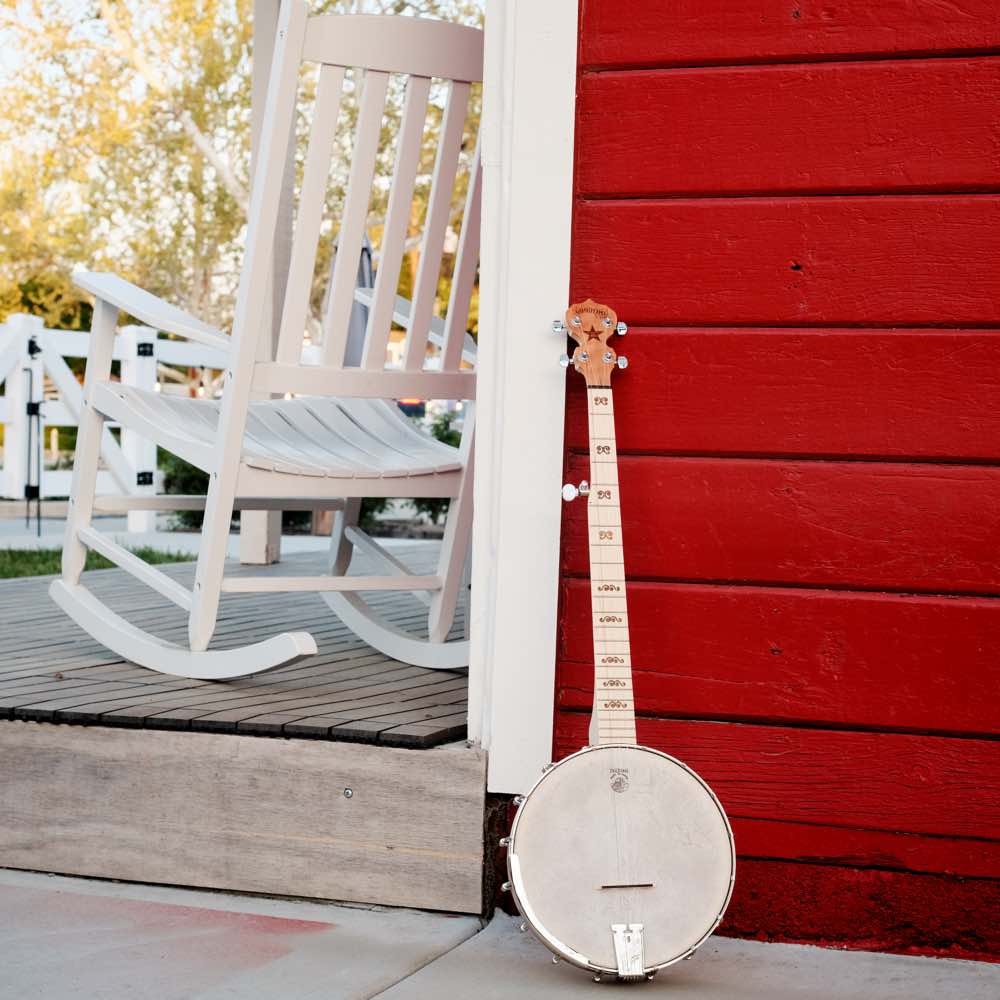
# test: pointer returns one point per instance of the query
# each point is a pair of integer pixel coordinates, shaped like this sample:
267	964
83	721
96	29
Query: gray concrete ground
500	962
65	937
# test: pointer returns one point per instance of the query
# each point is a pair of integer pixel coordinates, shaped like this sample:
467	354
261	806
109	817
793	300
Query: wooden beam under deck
246	814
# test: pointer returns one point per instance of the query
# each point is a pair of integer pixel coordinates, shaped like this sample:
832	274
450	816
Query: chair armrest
149	309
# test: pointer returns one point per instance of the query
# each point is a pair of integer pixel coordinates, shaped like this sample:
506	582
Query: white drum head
621	835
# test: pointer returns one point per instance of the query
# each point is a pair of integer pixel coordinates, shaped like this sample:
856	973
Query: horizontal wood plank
650	32
869	393
876	781
885	526
912	125
837	845
906	260
245	814
866	909
821	657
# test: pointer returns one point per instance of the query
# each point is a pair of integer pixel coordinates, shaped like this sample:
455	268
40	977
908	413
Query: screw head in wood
348	793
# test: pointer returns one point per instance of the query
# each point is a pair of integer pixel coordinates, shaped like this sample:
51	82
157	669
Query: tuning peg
558	326
565	360
622	361
621	329
571	492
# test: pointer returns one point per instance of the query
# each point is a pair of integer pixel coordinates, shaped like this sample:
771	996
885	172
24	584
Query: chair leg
88	441
212	553
341	547
451	562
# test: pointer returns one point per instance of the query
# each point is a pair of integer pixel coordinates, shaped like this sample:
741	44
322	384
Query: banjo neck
614	702
591	325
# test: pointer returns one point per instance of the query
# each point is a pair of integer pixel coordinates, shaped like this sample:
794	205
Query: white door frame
527	134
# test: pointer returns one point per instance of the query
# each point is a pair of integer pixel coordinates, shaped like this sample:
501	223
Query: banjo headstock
591	325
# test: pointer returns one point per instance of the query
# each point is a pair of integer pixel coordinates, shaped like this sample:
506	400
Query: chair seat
307	436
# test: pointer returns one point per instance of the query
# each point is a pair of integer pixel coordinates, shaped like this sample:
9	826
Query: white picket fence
28	354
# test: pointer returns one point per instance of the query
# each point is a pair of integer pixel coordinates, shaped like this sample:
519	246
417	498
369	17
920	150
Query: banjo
620	858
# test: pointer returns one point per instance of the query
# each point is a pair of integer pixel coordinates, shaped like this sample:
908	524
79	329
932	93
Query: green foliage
180	477
435	508
45	562
125	145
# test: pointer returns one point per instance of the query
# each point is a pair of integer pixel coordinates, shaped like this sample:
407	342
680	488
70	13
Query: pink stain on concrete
188	948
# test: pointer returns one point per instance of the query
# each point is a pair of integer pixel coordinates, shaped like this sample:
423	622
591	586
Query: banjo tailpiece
628	951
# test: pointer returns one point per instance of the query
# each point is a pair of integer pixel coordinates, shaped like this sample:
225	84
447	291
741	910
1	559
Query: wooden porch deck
51	671
169	781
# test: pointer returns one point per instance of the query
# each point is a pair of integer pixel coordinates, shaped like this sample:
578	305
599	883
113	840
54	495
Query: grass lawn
42	562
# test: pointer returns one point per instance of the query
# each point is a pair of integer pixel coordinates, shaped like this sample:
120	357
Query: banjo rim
514	870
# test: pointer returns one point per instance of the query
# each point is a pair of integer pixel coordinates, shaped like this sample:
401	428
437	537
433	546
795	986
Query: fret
603	473
602	601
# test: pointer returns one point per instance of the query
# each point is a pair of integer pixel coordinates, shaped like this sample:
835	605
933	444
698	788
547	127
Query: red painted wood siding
796	207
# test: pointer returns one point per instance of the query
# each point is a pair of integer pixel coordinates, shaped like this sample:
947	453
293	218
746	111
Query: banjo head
618	834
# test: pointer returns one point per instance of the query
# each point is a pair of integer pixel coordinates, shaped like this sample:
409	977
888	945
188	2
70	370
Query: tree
125	130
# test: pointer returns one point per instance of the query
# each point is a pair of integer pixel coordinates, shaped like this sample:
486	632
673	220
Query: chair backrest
419	51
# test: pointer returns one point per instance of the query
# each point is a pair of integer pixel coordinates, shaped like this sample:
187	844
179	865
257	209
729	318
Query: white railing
29	353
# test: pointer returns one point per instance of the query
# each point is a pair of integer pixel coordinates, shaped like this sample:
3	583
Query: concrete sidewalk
80	938
14	534
500	962
64	937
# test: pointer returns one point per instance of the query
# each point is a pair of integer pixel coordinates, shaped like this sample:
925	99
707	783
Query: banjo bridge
627	885
628	950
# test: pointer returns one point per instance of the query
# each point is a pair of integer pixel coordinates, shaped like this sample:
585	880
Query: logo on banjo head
619	779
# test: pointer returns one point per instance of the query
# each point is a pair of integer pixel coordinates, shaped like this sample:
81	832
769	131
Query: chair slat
438	210
464	277
309	218
411	133
352	228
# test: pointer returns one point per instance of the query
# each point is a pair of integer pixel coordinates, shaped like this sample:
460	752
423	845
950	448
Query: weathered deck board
50	671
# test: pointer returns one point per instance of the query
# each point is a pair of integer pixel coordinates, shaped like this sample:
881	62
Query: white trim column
528	118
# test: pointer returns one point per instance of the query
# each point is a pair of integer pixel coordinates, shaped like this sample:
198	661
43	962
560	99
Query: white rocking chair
290	435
